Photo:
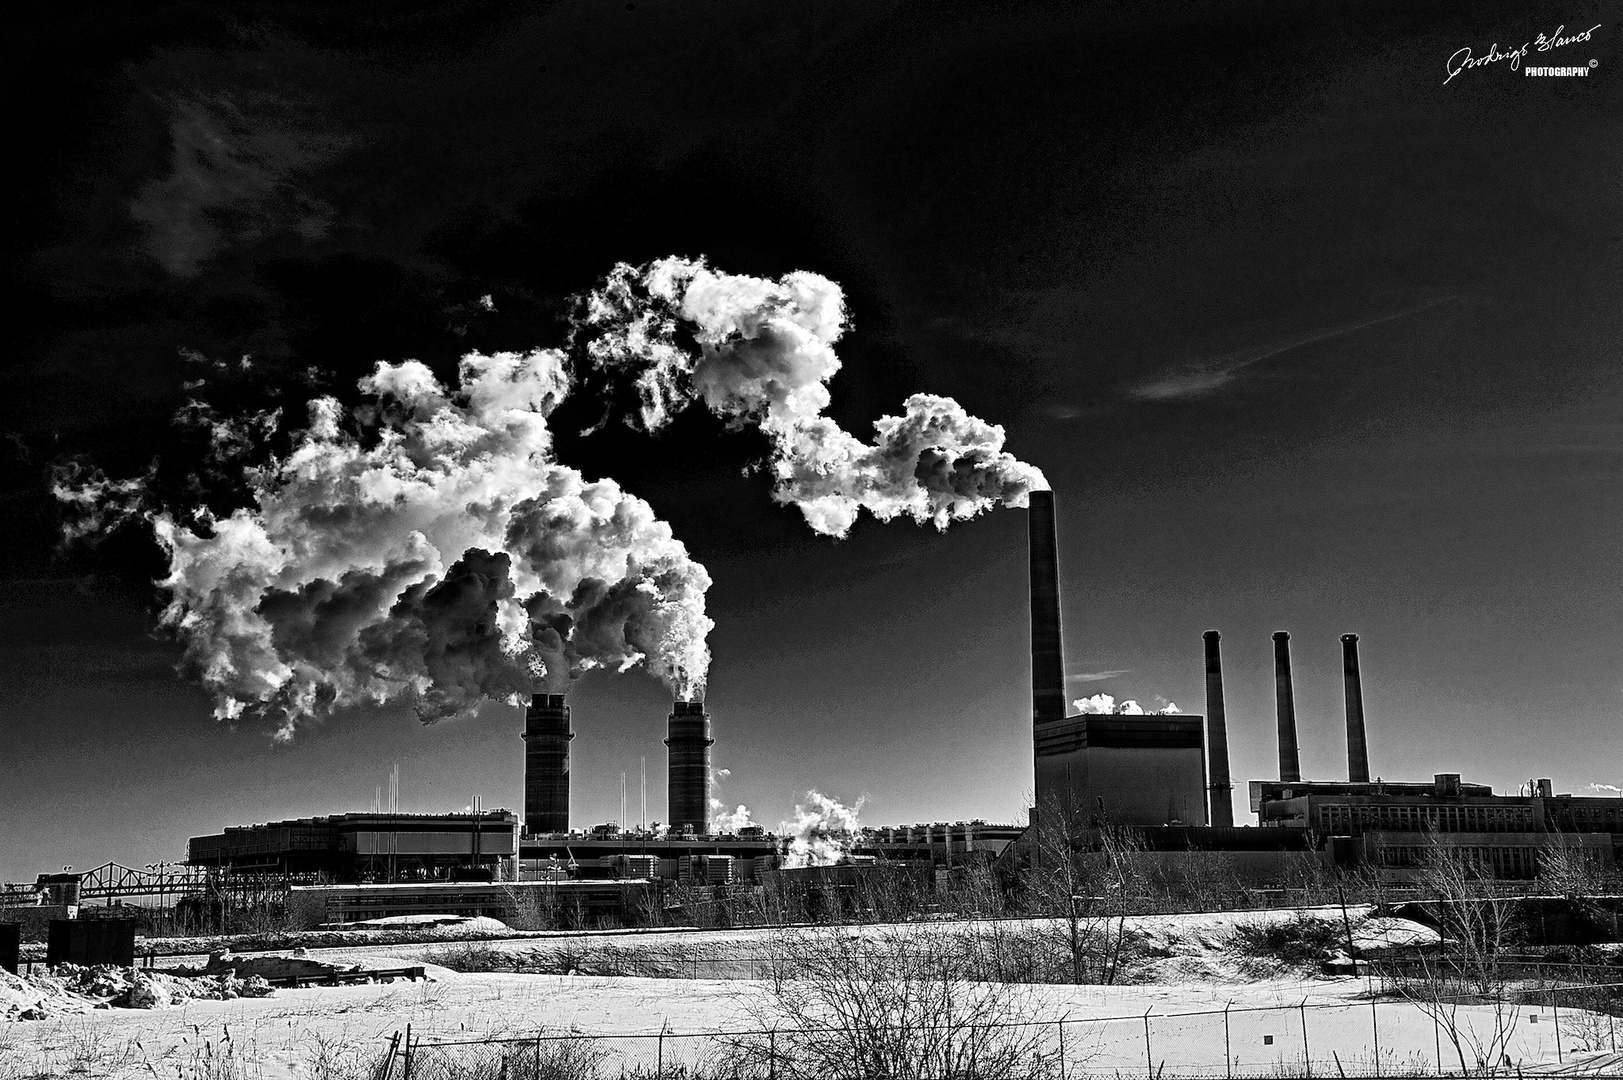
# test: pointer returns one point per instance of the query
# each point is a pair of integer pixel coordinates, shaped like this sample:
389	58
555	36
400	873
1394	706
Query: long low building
367	847
1397	828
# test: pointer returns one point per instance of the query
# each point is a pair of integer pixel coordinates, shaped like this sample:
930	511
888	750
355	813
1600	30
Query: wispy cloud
1096	676
1212	374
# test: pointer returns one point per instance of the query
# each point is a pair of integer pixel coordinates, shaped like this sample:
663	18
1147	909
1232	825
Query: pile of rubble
69	988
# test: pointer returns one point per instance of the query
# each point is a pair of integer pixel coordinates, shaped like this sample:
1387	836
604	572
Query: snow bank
69	990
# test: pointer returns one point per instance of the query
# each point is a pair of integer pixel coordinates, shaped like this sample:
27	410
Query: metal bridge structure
160	881
159	885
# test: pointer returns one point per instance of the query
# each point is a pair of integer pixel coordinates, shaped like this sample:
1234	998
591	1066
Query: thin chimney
1217	737
1290	766
1047	650
1357	745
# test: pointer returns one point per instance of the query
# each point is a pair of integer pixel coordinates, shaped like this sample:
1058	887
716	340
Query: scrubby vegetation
1301	943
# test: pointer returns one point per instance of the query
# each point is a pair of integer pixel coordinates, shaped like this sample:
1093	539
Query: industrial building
1099	769
1123	770
1166	777
367	847
1163	774
1397	828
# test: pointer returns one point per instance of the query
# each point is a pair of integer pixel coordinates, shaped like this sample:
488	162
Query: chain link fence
1375	1038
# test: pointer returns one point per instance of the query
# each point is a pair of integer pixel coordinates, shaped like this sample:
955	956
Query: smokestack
1357	746
1047	651
688	788
1217	737
1290	766
546	764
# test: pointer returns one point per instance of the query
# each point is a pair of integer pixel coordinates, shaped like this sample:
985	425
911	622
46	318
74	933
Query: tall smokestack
1290	766
1357	746
1217	737
1047	650
688	788
546	764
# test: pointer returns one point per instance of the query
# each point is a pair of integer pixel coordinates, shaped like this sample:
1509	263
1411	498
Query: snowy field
1171	1017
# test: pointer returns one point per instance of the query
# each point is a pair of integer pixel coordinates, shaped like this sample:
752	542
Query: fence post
1061	1026
1228	1054
659	1068
1556	1009
772	1054
1149	1059
1375	1024
406	1068
1307	1055
537	1051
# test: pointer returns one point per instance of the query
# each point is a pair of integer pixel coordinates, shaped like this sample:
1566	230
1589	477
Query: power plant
1165	776
1170	779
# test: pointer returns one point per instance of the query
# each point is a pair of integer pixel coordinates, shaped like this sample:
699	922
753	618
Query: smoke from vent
429	547
764	355
822	833
723	820
1105	703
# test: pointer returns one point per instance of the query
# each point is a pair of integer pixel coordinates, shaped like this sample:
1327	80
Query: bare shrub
1302	941
468	956
1465	971
893	1005
1567	868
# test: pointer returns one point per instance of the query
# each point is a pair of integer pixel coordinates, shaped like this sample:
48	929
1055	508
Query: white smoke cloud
428	546
1606	787
728	821
431	549
822	833
723	820
765	356
1105	703
92	502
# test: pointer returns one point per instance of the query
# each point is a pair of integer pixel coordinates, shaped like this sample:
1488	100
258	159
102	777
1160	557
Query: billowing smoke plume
724	821
763	354
430	547
1607	787
1104	703
822	833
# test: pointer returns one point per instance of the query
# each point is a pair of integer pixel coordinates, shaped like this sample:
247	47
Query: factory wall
1123	785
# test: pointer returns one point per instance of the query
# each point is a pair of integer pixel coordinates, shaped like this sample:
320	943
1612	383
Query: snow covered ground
293	1033
1174	1018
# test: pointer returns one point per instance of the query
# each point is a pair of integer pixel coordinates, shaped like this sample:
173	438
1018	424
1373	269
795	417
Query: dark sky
1304	339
